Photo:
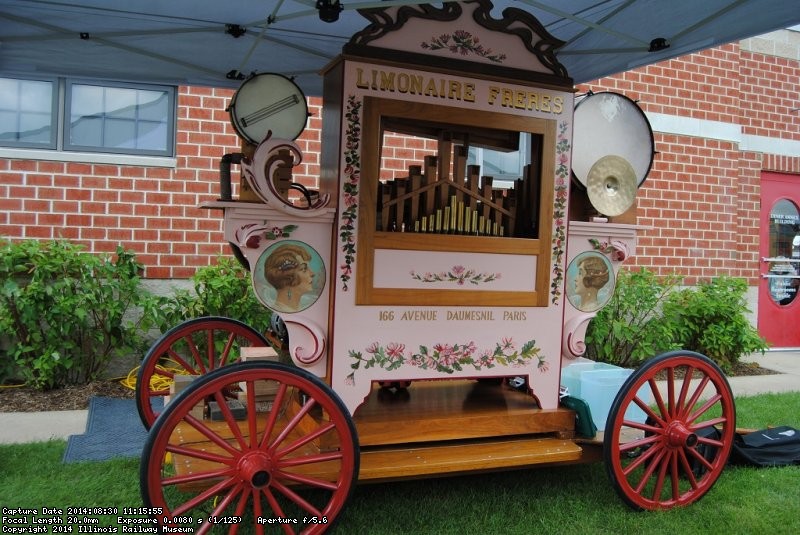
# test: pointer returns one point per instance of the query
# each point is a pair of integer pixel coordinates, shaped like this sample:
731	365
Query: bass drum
608	124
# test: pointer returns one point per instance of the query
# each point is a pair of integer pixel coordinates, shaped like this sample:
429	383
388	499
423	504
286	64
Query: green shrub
67	313
630	328
220	289
711	320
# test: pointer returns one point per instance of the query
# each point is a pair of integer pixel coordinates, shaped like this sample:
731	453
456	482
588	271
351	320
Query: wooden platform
432	411
435	428
380	464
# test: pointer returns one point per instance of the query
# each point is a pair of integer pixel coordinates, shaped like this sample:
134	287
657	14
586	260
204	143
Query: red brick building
726	122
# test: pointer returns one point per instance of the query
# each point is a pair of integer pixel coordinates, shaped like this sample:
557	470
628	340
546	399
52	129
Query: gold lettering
533	101
430	89
558	104
360	83
519	100
493	92
403	82
469	92
415	88
454	91
507	98
387	81
545	102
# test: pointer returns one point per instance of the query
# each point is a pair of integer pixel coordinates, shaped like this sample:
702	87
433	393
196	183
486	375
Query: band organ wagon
423	315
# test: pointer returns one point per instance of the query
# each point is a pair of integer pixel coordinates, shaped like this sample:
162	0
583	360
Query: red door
778	300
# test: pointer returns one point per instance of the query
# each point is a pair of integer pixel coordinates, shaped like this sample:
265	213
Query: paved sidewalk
23	427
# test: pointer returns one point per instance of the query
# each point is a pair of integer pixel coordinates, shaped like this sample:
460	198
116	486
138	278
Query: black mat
113	429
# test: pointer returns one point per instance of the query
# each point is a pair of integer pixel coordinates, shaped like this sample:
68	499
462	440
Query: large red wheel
194	347
289	464
670	431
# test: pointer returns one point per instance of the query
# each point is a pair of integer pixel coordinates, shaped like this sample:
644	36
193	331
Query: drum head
267	103
610	123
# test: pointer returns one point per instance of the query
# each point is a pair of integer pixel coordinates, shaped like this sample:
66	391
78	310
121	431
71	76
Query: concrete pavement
23	427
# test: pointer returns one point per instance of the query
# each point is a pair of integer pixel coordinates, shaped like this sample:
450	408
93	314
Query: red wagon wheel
194	347
670	431
289	464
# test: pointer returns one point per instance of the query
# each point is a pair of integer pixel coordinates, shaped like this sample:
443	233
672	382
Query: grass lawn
573	499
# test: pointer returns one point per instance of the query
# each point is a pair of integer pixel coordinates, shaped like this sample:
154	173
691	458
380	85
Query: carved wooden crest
463	36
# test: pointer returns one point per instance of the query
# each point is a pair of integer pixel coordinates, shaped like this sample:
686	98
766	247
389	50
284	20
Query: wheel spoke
195	353
311	459
305	440
210	348
673	469
240	509
230	420
296	498
654	451
659	400
639	443
696	396
228	498
702	410
650	468
649	412
662	474
308	480
173	355
192	478
199	454
273	416
293	423
214	437
722	420
277	510
203	497
687	380
257	510
687	468
671	391
226	351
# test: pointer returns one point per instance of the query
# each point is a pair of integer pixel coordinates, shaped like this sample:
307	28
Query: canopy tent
217	42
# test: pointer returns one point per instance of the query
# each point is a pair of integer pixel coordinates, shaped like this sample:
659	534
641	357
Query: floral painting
352	176
446	358
457	274
464	43
560	211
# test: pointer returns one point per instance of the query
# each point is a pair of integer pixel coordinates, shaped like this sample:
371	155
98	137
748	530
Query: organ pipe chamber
446	195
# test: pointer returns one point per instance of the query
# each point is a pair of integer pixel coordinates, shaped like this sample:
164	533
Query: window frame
54	116
61	149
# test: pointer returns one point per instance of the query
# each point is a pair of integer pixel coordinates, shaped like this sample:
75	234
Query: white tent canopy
209	42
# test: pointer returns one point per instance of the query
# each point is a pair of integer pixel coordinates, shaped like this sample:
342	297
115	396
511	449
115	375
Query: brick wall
701	198
150	210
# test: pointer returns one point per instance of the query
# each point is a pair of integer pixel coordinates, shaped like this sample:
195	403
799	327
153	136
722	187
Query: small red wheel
194	347
671	453
293	458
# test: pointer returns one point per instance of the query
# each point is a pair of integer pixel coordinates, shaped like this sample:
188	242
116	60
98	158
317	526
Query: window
27	113
450	209
81	116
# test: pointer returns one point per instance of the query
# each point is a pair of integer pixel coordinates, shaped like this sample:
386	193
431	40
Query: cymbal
611	185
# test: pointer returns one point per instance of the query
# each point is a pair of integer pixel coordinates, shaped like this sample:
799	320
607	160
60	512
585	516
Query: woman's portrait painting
590	281
289	276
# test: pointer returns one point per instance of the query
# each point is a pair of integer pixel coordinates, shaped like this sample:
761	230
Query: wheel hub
256	468
679	436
